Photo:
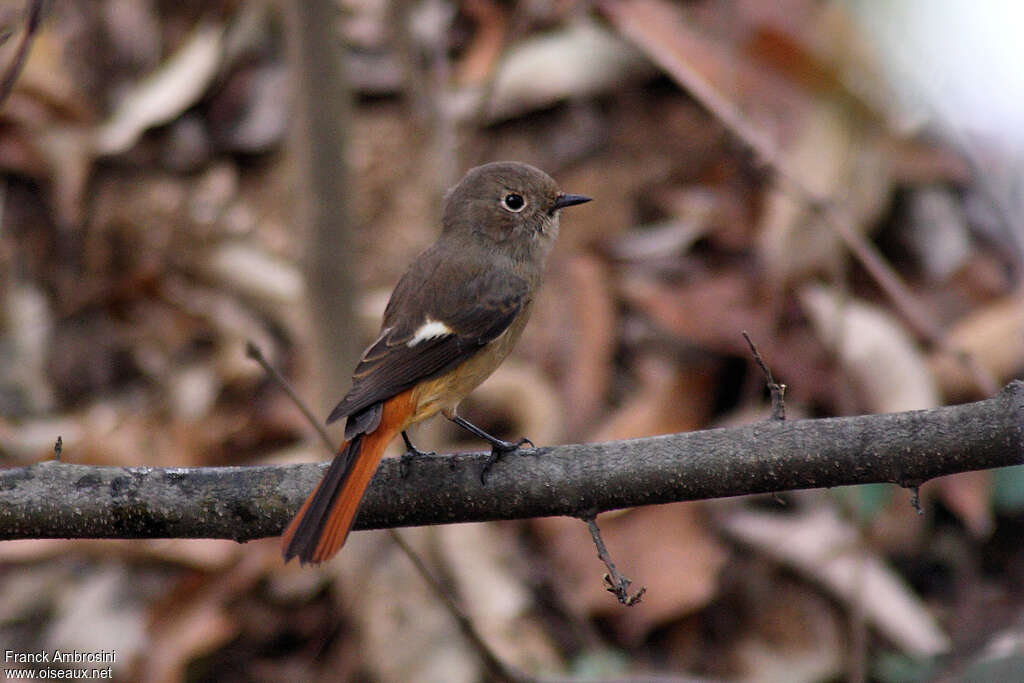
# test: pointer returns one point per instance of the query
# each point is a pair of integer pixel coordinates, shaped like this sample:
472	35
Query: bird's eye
514	202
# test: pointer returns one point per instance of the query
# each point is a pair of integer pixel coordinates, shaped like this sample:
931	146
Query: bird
453	317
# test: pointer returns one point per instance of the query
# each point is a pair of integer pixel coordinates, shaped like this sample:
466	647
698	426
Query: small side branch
255	353
778	391
616	583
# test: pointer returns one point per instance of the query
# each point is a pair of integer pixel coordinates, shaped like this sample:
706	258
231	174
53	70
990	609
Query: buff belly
443	393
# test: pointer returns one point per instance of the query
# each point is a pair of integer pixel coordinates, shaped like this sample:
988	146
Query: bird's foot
411	453
498	449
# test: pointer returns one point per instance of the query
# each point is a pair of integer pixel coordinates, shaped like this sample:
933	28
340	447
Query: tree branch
59	500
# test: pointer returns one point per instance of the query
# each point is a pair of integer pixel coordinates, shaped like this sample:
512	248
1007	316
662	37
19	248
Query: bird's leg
411	452
498	447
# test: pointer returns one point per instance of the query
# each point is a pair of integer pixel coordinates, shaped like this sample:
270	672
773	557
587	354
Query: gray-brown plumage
451	320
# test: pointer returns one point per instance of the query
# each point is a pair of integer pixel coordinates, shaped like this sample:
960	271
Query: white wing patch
429	330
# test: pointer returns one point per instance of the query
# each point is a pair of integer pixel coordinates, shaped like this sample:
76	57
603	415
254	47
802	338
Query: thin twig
616	583
254	352
778	391
34	12
915	500
499	670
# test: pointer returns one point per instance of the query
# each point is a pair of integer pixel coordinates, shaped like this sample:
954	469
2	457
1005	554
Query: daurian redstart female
452	319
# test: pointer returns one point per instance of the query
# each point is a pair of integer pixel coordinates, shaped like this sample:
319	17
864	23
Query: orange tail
321	525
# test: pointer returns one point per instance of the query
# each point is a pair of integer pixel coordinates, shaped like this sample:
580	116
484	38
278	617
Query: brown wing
477	309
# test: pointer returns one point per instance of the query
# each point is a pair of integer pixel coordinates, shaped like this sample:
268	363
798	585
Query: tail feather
321	525
302	536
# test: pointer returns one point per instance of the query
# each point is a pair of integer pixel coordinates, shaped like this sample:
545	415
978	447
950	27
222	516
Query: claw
411	453
498	449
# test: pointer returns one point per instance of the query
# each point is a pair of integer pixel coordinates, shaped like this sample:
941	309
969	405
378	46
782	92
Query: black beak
565	200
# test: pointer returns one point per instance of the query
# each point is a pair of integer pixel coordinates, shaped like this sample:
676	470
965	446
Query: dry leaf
937	233
969	497
994	337
249	270
204	554
833	159
194	619
250	112
671	39
670	399
487	577
203	629
47	119
796	637
49	78
404	635
917	162
662	240
26	327
591	60
483	52
875	349
592	344
709	311
823	547
166	93
24	594
94	613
